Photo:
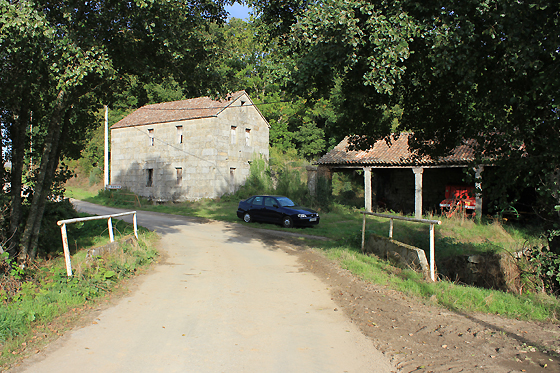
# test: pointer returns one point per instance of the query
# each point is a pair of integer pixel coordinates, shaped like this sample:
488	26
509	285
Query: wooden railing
62	224
397	217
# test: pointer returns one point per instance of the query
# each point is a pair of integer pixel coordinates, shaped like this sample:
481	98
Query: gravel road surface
221	300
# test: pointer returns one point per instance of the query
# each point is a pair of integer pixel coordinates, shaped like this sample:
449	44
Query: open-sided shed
394	176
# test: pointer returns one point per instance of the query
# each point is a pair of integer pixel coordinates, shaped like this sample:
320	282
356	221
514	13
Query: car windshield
285	202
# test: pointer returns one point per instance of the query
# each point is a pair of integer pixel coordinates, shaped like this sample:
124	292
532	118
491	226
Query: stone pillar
478	190
324	178
312	180
324	171
418	171
367	188
374	182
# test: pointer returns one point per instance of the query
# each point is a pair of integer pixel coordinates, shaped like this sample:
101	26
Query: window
269	202
232	180
151	136
150	178
248	136
242	102
179	176
180	134
258	201
233	134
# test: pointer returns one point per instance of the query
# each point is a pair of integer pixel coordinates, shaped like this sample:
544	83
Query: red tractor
458	198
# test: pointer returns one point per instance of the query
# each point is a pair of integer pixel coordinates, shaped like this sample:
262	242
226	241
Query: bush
49	236
542	270
95	176
290	184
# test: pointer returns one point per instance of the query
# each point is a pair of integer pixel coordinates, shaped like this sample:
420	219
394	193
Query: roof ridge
173	111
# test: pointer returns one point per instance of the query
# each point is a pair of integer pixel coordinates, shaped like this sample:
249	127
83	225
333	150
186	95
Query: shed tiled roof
395	155
194	108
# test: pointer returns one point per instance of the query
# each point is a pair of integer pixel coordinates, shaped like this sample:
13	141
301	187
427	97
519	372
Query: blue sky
238	11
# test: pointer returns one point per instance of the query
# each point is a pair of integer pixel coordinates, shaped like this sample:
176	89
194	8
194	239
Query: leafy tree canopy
59	61
455	71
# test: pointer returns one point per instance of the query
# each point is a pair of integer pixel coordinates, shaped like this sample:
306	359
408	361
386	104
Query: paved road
223	300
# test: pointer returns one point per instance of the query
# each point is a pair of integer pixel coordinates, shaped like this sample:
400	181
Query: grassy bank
465	299
38	303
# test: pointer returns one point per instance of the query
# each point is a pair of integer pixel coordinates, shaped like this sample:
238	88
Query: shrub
49	236
95	176
542	269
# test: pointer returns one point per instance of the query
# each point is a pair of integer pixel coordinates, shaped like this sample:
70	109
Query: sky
238	11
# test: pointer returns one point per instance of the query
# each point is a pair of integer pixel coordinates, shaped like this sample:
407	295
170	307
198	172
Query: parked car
277	210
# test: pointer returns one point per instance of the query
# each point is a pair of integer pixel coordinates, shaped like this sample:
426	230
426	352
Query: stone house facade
189	149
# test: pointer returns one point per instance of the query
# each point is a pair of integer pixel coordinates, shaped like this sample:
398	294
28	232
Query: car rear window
258	201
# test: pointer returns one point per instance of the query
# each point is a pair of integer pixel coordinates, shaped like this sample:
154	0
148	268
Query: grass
33	299
459	298
79	193
455	236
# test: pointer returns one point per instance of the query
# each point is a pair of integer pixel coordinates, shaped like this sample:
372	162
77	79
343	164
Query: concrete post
418	171
374	184
478	190
367	188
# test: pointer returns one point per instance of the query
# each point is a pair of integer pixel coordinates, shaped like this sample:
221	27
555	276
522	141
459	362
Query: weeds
35	296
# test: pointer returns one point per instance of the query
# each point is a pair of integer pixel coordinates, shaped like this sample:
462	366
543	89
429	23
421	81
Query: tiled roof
194	108
397	154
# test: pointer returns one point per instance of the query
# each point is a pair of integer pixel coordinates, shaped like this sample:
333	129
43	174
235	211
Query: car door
272	210
256	208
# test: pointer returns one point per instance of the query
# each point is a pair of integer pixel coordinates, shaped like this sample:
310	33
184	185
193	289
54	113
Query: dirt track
302	314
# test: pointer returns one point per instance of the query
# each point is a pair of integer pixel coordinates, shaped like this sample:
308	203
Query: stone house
189	149
398	180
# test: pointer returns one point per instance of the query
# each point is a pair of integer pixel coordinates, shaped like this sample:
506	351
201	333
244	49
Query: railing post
134	222
391	218
432	253
66	250
110	226
62	224
363	232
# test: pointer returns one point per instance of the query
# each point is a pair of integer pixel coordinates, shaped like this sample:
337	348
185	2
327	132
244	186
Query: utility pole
106	147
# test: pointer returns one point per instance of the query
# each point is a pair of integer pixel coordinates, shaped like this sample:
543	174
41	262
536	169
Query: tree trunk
51	171
42	184
19	141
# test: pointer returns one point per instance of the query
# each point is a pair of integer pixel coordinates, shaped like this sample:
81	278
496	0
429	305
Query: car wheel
287	222
247	218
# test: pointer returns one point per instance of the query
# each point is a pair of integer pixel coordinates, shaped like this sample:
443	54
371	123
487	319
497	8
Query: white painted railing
62	224
391	218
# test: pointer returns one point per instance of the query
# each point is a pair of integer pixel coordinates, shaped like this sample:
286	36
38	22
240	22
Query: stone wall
395	187
110	247
491	271
406	255
212	159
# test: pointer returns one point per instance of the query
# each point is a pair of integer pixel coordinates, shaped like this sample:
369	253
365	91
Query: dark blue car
277	210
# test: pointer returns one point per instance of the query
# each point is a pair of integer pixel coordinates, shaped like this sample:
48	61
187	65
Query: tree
471	70
59	60
244	61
